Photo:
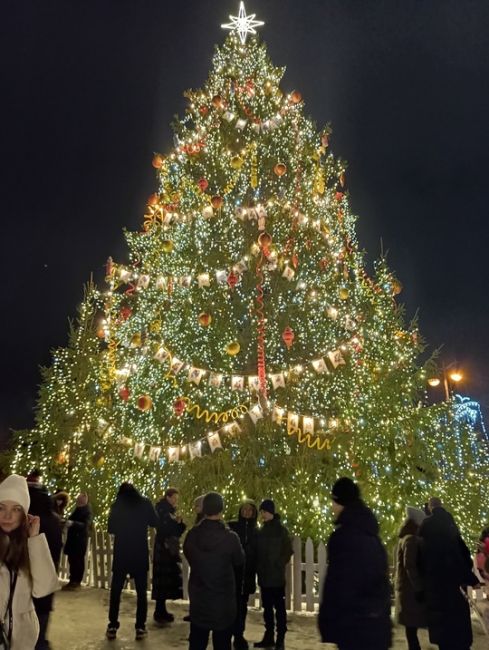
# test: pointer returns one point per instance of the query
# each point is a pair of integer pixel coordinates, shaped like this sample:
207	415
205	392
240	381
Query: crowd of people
433	568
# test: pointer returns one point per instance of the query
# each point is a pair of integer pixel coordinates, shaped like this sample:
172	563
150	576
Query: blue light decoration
468	411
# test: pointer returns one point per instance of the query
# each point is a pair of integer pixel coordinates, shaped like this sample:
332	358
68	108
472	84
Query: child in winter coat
26	567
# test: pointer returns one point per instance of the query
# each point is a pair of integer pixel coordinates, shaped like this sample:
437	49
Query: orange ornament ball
101	333
217	101
217	202
205	319
296	97
396	287
280	169
153	199
144	403
265	240
158	161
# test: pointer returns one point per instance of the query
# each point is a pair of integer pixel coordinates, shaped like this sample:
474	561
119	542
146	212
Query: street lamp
454	376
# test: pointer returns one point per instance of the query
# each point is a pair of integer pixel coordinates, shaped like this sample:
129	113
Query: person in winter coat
26	567
61	500
78	524
129	519
245	528
42	506
167	571
482	556
198	505
446	566
410	605
270	553
214	553
354	611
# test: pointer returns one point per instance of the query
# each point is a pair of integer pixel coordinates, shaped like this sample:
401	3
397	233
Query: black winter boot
280	643
267	642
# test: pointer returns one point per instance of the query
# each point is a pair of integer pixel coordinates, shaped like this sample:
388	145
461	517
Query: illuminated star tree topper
243	24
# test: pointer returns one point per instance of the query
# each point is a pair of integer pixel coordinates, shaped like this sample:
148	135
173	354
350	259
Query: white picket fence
304	574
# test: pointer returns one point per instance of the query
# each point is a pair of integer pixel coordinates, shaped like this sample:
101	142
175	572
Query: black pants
355	647
273	598
412	638
116	587
199	638
445	646
241	613
42	643
77	567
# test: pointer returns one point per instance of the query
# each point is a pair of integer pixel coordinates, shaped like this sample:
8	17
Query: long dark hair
13	548
409	527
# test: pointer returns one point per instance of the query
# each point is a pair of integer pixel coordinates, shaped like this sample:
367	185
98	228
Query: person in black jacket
167	570
78	525
245	528
42	507
129	519
354	611
446	566
213	553
271	552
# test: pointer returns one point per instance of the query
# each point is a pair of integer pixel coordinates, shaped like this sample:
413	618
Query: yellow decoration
236	162
309	439
214	416
254	168
155	326
136	340
167	245
233	348
344	293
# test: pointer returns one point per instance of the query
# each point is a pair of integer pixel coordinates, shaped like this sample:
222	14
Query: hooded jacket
246	531
355	602
167	571
77	537
271	552
213	553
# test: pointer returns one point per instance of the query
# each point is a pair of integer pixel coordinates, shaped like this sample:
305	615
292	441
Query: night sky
89	89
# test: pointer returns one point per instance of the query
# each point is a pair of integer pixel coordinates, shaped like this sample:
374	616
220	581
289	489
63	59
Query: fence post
321	568
297	575
309	575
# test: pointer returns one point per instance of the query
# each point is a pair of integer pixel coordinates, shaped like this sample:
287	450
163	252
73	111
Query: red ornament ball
179	406
203	184
124	393
203	110
232	279
288	337
125	312
217	202
296	97
145	403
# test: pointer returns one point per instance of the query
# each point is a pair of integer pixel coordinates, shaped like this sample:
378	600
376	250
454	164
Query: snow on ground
80	619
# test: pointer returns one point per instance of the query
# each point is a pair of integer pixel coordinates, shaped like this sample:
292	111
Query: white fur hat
14	488
415	514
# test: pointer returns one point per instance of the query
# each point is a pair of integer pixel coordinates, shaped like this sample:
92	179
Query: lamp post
446	377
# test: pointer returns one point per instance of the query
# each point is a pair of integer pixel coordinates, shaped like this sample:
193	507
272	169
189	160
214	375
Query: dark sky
89	88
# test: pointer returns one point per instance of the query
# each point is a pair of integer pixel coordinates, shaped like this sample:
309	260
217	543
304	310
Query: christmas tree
244	347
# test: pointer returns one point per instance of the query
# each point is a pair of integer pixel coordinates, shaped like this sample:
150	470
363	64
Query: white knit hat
415	514
14	488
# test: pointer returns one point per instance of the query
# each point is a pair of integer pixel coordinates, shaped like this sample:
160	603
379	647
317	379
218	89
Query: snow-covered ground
80	619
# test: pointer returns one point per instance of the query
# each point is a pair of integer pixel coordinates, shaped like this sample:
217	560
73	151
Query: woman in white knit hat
26	567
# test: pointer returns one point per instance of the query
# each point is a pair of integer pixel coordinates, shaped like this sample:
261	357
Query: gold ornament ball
280	169
205	319
233	348
136	340
344	293
145	403
296	97
167	245
396	287
100	461
236	162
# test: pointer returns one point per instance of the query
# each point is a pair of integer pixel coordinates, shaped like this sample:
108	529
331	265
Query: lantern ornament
288	337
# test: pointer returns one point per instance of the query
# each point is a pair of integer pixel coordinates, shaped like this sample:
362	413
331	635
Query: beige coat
43	581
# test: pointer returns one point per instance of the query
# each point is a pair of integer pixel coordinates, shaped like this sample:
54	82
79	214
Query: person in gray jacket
213	553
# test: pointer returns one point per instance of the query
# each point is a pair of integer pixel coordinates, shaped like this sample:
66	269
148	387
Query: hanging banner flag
139	449
350	324
215	380
195	449
254	383
162	355
161	283
319	366
278	414
255	413
292	421
154	453
237	382
288	273
278	380
125	275
214	441
308	424
143	281
336	358
221	277
195	375
173	454
176	365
